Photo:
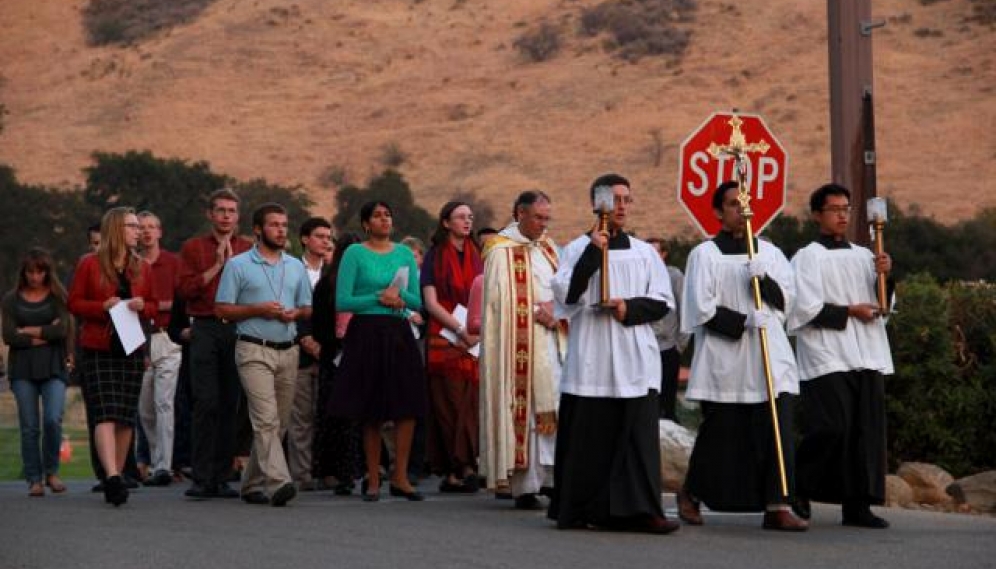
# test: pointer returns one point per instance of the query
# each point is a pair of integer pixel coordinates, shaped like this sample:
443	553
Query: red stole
453	278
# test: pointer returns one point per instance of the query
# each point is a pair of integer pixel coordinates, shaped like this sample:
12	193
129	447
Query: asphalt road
158	528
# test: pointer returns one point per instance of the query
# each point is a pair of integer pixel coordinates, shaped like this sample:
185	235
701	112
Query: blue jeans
43	461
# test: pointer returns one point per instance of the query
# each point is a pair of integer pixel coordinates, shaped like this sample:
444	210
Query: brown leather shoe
688	509
784	520
659	526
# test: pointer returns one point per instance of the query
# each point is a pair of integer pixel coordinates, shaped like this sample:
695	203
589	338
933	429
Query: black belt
210	319
265	343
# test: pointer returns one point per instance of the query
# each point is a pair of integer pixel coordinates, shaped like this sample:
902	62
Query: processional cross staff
738	147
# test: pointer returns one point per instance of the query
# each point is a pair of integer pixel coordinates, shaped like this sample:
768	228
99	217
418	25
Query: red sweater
88	293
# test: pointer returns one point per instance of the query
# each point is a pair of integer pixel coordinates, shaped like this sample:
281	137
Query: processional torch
878	215
604	204
738	149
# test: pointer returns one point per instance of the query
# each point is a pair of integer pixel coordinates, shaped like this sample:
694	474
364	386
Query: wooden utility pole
852	119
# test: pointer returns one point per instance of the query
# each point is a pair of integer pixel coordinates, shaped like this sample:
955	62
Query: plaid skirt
112	384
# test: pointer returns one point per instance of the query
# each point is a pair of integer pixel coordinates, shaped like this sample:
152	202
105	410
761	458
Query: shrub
983	12
639	28
539	44
392	156
941	402
123	22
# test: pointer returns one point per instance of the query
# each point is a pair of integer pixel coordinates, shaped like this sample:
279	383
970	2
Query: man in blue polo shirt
264	291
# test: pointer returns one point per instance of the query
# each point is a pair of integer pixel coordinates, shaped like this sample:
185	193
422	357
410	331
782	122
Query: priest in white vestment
521	353
843	353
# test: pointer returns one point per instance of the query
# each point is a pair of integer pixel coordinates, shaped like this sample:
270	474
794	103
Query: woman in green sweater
380	375
35	326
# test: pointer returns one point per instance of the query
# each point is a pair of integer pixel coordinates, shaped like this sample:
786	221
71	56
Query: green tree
391	187
45	217
176	191
254	193
173	189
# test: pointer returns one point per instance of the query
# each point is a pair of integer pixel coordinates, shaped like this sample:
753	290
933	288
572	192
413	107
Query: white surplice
842	277
605	358
725	370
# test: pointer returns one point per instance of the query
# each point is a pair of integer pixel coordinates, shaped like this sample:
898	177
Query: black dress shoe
448	487
200	491
160	478
283	494
473	482
864	519
528	502
115	491
255	498
223	490
802	508
413	496
130	483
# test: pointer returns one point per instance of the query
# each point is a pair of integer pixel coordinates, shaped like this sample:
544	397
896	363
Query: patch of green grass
11	467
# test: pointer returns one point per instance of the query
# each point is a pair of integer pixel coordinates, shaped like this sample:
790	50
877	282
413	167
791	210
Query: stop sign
703	168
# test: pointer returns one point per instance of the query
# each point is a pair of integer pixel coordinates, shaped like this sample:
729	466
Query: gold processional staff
738	149
604	204
877	216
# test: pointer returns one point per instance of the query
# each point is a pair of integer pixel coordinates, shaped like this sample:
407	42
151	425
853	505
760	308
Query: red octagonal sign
703	168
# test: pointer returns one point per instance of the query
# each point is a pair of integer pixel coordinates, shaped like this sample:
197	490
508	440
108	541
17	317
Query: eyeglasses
838	209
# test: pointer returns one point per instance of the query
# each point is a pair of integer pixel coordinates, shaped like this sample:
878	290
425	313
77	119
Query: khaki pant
155	402
268	378
301	431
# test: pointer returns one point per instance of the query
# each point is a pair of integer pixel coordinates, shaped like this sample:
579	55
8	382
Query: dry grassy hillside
288	89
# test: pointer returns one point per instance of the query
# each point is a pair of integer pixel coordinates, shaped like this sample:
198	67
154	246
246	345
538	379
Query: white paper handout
127	325
460	313
400	279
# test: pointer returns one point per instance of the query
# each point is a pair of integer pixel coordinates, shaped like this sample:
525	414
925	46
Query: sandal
55	484
36	490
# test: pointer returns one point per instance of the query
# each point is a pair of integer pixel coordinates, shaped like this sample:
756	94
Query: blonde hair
113	246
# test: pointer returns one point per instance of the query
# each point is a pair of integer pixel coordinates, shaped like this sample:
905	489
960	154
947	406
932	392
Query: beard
272	245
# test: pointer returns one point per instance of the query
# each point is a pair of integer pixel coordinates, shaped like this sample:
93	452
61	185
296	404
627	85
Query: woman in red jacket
112	378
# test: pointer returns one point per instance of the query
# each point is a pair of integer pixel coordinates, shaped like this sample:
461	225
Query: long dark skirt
112	385
734	466
337	440
842	454
380	377
607	465
454	394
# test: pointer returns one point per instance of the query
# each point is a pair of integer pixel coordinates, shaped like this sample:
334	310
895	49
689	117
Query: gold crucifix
738	147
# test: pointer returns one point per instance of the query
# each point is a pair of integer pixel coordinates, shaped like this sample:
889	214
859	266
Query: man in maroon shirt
214	377
155	404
